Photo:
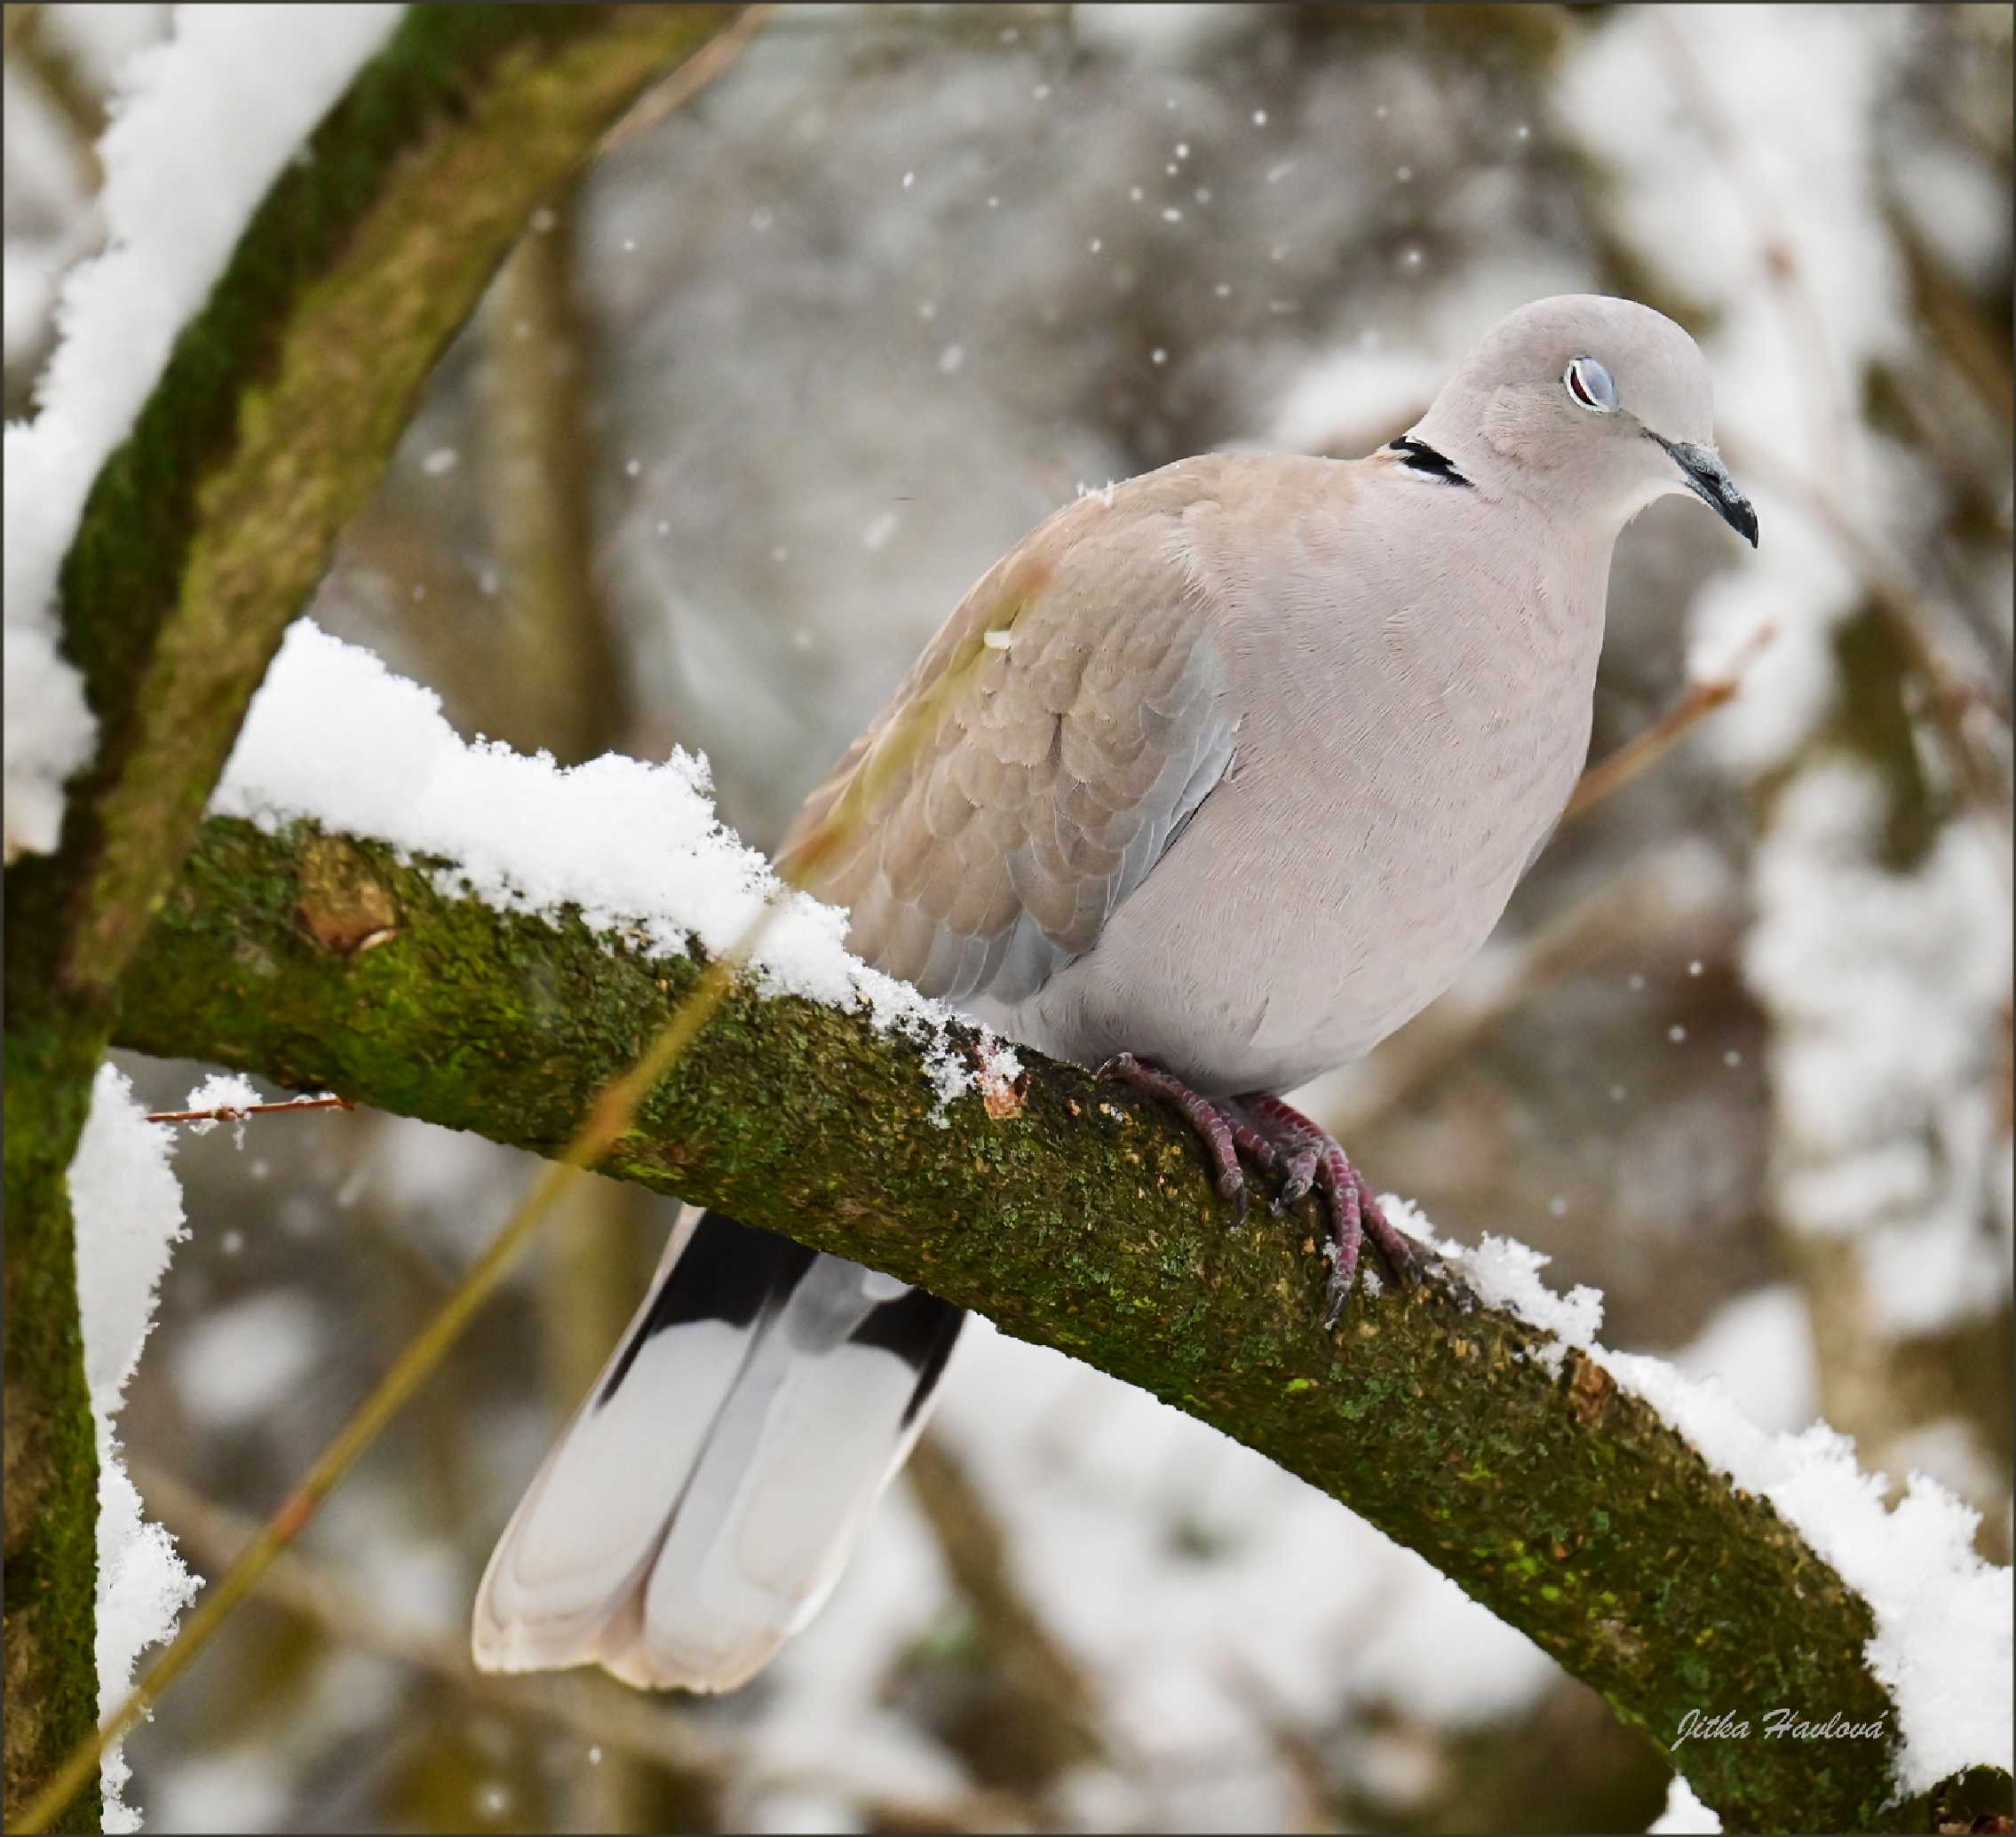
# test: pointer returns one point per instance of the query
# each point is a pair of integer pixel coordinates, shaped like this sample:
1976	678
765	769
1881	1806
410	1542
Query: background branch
1042	1715
556	676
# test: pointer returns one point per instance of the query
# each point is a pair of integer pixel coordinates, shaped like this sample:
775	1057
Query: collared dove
1217	778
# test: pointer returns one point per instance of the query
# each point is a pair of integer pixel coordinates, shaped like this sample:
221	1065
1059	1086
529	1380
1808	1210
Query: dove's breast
1402	752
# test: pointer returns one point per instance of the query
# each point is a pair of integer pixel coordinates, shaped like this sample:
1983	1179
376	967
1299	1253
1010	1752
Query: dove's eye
1589	382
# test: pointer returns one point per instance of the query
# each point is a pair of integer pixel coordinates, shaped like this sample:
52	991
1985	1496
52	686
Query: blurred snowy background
732	432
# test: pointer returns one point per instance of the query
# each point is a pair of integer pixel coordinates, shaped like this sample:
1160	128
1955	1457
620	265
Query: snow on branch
1944	1643
533	927
636	848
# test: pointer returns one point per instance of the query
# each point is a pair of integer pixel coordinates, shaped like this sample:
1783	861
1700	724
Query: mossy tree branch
1081	1218
203	535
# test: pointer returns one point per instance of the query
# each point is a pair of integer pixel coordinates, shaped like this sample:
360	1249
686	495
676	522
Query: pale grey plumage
1231	767
1360	692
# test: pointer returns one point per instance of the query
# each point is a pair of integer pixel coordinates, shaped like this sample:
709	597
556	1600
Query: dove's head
1590	404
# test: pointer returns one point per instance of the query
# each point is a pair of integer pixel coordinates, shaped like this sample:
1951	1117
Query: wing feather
1057	733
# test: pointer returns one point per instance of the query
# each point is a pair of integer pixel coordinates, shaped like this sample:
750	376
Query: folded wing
1058	731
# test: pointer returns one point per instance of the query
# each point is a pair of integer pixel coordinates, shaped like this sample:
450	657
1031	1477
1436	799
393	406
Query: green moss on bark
1084	1221
51	1454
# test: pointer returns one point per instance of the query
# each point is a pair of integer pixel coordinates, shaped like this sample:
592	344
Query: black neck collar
1419	456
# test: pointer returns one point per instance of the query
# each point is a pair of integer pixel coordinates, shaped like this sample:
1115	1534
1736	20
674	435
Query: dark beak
1709	480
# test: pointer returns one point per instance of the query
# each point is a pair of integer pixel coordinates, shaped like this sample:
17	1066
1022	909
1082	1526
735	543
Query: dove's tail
703	1500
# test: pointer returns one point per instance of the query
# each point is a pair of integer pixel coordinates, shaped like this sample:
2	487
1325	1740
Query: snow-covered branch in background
200	126
1887	988
389	959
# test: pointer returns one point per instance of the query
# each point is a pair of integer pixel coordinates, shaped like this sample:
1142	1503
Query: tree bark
202	536
1076	1217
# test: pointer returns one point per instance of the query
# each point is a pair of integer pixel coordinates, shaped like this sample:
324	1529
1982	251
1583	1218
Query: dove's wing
1050	744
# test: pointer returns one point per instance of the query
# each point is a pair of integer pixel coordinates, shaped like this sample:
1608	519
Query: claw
1342	1277
1300	1177
1282	1140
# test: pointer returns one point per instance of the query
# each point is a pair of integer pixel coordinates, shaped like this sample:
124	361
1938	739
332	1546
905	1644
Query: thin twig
714	59
1700	700
238	1113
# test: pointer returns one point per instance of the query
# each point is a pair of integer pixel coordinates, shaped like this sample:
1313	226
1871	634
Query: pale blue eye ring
1589	383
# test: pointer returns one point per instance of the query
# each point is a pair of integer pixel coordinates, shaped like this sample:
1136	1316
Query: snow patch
1684	1813
1759	1347
222	1090
127	1205
1505	1273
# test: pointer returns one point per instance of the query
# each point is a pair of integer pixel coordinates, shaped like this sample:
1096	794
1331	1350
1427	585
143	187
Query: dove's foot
1224	1135
1314	1158
1281	1140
